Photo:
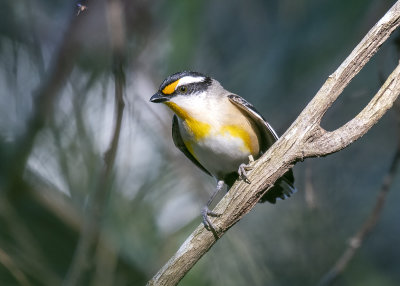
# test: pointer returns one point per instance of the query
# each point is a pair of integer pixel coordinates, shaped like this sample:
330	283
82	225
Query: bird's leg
205	212
243	168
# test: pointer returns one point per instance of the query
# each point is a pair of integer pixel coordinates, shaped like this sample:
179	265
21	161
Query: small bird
218	131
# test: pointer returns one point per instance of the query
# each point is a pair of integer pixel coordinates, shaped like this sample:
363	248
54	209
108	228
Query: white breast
219	151
220	154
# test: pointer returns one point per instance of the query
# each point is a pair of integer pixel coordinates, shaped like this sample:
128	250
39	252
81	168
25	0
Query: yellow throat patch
198	128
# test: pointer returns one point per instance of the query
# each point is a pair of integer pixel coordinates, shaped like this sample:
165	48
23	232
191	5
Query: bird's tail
282	189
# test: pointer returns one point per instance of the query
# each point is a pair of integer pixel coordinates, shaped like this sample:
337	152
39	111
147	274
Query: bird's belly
220	154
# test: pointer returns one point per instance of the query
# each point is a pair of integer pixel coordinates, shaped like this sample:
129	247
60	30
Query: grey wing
267	133
284	186
178	141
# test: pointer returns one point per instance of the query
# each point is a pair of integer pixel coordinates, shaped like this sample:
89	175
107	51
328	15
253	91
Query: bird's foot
243	168
205	213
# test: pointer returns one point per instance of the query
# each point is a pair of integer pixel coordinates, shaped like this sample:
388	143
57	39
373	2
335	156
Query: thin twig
91	227
44	98
8	263
27	255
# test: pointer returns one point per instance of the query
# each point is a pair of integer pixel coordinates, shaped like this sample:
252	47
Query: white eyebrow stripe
189	79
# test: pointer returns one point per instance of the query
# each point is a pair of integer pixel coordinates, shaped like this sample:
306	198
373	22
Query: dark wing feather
178	141
284	186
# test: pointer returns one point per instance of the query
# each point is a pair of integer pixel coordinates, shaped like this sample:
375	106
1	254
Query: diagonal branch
305	138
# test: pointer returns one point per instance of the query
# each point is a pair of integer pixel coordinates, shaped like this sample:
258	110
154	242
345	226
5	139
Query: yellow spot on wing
199	129
238	131
169	89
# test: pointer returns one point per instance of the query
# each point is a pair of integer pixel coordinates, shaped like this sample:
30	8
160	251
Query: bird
219	131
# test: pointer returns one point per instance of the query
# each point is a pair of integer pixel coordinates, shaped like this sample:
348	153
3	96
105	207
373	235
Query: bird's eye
183	89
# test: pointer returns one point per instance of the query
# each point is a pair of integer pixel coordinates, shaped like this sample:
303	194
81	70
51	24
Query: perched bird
218	131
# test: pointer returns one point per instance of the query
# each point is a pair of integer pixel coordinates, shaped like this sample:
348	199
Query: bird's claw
243	168
242	171
205	213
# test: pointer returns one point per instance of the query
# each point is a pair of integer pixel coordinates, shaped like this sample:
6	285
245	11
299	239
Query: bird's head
190	94
182	84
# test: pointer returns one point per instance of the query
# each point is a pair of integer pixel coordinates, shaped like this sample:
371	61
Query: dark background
276	54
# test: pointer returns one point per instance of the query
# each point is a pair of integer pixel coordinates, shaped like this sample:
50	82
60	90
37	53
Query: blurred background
92	189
